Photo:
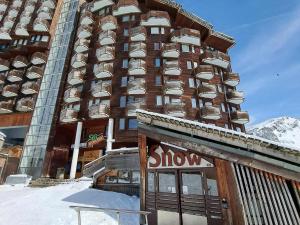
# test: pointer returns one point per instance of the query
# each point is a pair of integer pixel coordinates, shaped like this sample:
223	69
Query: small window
223	107
124	82
125	63
158	100
156	46
193	49
157	62
162	30
154	30
167	99
132	123
158	81
189	65
122	124
123	101
126	32
226	126
220	88
238	129
191	83
133	18
185	48
195	64
125	18
201	104
194	103
125	47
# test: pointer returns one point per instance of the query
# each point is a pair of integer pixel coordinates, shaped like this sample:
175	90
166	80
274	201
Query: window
167	99
123	101
158	81
191	83
185	48
132	123
121	124
125	18
223	107
193	49
226	126
151	184
158	100
162	30
201	104
126	32
124	82
125	63
194	103
220	88
189	65
167	183
157	62
154	30
195	64
238	129
156	46
125	47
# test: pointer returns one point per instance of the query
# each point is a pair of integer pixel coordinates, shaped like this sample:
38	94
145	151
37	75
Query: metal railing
79	209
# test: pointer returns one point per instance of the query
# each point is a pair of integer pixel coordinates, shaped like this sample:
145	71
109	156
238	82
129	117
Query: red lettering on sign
193	159
166	157
179	159
156	157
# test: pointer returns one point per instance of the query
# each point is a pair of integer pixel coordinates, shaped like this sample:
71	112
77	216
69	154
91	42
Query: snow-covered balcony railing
137	67
15	75
84	31
86	18
100	4
138	50
211	113
4	64
10	90
49	3
105	53
35	72
38	58
79	60
72	95
103	70
41	25
235	97
21	29
175	109
138	33
99	111
208	91
3	76
133	106
16	3
68	115
76	76
8	22
172	68
171	50
81	45
30	6
204	72
173	87
30	87
101	89
13	10
45	13
126	7
136	87
107	37
25	18
231	79
3	5
239	117
156	18
25	104
216	58
20	61
109	23
186	36
5	33
6	106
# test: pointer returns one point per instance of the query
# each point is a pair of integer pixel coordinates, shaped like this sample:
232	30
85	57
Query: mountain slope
285	130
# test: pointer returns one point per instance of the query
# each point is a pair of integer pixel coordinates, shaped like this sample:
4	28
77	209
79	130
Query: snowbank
50	206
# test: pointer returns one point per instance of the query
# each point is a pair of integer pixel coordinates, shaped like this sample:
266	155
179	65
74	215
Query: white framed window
193	49
167	99
189	65
126	32
194	103
195	64
154	30
122	101
158	81
162	30
185	48
158	100
125	18
125	47
124	82
201	103
191	83
121	124
125	63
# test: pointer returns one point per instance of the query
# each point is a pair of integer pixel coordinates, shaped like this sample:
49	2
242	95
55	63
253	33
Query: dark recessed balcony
156	18
84	31
30	87
45	13
138	50
15	75
186	36
138	33
207	91
137	67
136	87
105	53
35	72
171	68
126	7
175	109
72	95
103	70
101	89
239	117
25	105
231	79
38	58
41	25
86	18
133	106
6	106
4	65
170	50
68	116
211	113
76	76
109	23
235	97
21	29
99	111
49	3
107	37
215	58
10	90
173	87
204	72
3	76
100	4
81	45
79	60
20	61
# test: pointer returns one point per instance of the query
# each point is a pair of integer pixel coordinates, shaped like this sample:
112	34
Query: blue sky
267	33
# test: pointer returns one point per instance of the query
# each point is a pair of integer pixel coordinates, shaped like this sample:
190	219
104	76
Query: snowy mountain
285	130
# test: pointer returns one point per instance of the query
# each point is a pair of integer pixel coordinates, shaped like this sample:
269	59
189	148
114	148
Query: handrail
80	209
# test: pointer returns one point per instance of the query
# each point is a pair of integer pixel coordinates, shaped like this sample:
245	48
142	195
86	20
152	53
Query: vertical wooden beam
143	165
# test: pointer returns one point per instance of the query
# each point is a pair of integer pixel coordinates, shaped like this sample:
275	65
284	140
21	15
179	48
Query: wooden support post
143	165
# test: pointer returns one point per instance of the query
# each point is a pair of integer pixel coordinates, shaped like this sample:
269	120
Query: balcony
25	17
30	88
235	97
216	58
138	33
107	37
211	113
41	25
16	3
6	106
101	89
136	87
105	53
239	117
173	87
137	67
207	91
109	23
204	72
5	33
21	30
172	68
20	61
38	58
86	18
81	45
156	18
78	60
13	10
103	70
84	31
231	79
170	50
100	4
25	105
3	5
175	109
133	106
138	50
29	6
72	95
49	3
68	115
4	64
186	36
45	13
99	111
9	21
35	72
2	77
15	75
10	90
76	76
126	7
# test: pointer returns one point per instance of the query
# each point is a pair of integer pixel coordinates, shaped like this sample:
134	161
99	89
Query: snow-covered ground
50	206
